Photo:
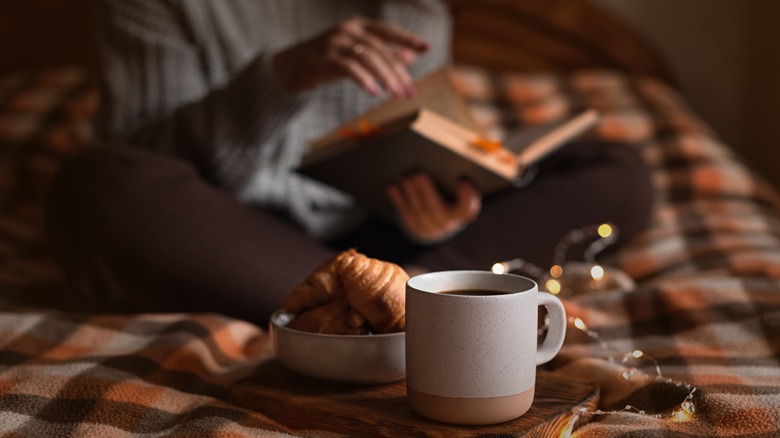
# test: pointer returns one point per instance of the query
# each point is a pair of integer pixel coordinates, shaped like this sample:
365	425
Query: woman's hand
425	215
373	53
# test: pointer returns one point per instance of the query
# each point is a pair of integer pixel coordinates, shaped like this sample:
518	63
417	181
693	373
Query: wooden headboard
558	35
549	35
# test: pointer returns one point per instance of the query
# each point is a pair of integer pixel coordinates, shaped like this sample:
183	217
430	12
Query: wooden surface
301	403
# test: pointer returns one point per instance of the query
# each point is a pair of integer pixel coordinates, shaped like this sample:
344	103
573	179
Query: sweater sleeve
156	92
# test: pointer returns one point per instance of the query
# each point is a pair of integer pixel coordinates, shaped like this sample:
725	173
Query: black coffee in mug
473	292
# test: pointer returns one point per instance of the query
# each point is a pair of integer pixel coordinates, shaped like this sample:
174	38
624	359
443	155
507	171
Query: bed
692	350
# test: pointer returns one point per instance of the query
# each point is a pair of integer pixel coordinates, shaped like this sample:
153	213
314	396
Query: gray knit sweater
191	78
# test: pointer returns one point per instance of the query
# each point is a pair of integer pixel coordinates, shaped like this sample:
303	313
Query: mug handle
557	330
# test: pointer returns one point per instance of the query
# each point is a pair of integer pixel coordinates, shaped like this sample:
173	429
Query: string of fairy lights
601	236
683	412
557	280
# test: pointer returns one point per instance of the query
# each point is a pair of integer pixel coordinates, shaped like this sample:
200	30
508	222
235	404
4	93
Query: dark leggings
139	231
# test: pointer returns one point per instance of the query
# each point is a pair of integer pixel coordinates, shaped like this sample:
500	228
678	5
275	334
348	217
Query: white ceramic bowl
344	358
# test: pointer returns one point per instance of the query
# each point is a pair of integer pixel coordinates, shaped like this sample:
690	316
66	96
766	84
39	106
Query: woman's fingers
374	54
432	206
378	57
396	35
469	203
425	215
364	78
419	205
407	214
404	55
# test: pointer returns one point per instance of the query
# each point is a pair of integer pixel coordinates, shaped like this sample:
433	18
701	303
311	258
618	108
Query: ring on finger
357	49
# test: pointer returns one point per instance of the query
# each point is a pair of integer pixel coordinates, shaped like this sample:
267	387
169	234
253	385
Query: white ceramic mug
471	359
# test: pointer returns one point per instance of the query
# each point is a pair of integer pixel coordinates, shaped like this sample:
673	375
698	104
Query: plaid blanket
692	351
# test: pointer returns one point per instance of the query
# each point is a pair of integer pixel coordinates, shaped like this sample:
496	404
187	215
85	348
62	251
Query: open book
434	133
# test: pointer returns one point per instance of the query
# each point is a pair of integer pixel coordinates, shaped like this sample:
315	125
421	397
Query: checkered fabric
692	351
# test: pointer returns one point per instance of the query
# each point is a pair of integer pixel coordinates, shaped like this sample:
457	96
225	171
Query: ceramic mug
471	344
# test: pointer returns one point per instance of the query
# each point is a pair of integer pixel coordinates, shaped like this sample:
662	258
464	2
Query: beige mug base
470	411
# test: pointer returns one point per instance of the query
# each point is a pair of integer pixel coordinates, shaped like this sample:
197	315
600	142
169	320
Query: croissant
320	287
348	294
376	289
332	318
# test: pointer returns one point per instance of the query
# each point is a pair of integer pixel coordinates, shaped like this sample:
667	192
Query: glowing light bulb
597	272
605	230
499	268
556	271
553	286
681	415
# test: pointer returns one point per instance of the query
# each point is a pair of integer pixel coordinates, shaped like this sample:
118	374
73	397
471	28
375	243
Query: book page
435	92
459	139
534	144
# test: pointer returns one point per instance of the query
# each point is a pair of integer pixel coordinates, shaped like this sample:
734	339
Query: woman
192	202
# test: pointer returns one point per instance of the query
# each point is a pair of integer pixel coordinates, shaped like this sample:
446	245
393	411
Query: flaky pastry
320	287
331	318
377	290
369	294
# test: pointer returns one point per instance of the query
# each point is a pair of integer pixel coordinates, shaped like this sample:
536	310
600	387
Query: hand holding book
427	217
435	133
